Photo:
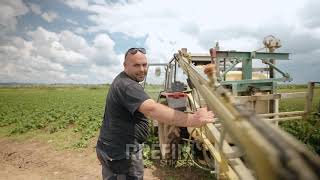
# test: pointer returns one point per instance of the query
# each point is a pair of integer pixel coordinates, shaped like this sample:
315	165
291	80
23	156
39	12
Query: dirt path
37	160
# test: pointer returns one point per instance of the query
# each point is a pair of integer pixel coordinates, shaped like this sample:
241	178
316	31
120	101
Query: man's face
135	66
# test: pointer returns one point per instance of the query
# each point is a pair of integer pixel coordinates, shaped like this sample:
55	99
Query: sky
84	41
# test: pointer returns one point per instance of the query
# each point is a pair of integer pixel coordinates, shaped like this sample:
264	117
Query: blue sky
83	41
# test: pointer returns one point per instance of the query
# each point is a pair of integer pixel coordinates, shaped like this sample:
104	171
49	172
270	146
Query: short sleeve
134	96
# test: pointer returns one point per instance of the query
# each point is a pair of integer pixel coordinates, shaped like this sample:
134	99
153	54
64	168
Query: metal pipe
286	75
281	114
145	78
284	119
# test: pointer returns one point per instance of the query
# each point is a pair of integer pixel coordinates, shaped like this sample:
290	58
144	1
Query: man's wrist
190	118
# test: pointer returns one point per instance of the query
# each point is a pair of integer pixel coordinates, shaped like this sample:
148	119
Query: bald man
125	124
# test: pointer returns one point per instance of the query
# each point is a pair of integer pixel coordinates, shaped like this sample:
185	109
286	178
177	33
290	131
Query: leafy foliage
307	130
53	109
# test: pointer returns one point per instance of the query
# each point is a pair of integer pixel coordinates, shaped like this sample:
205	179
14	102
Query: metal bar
286	75
172	59
198	57
293	95
168	71
158	64
229	69
224	69
272	96
250	81
272	66
251	55
284	119
246	69
175	72
145	78
282	114
253	69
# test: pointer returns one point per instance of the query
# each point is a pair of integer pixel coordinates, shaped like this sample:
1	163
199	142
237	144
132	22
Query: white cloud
310	14
9	11
240	44
80	30
81	4
61	48
161	47
100	2
73	41
58	53
103	51
72	21
169	28
104	74
20	64
49	16
35	8
41	35
51	57
165	27
78	77
103	41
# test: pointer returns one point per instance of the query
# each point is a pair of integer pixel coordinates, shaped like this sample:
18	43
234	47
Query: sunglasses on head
135	50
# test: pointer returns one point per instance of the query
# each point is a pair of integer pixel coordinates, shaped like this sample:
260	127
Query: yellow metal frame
270	152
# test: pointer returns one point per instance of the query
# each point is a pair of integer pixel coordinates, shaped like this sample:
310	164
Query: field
70	117
53	109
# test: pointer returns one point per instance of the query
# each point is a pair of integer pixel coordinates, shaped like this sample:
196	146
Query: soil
36	160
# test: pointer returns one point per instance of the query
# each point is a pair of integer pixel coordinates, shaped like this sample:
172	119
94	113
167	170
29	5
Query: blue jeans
130	168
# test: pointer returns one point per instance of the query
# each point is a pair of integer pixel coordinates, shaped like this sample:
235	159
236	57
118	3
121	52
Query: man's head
135	64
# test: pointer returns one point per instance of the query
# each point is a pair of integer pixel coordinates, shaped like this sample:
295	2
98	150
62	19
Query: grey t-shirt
123	124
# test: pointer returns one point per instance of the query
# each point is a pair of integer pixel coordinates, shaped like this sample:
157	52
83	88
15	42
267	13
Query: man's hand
201	117
209	69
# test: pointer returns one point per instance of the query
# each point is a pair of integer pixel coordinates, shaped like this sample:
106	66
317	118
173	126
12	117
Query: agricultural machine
244	142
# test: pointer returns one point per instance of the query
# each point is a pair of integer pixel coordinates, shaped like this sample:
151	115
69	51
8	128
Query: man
125	123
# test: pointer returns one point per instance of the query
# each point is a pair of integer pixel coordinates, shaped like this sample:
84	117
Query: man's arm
168	115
